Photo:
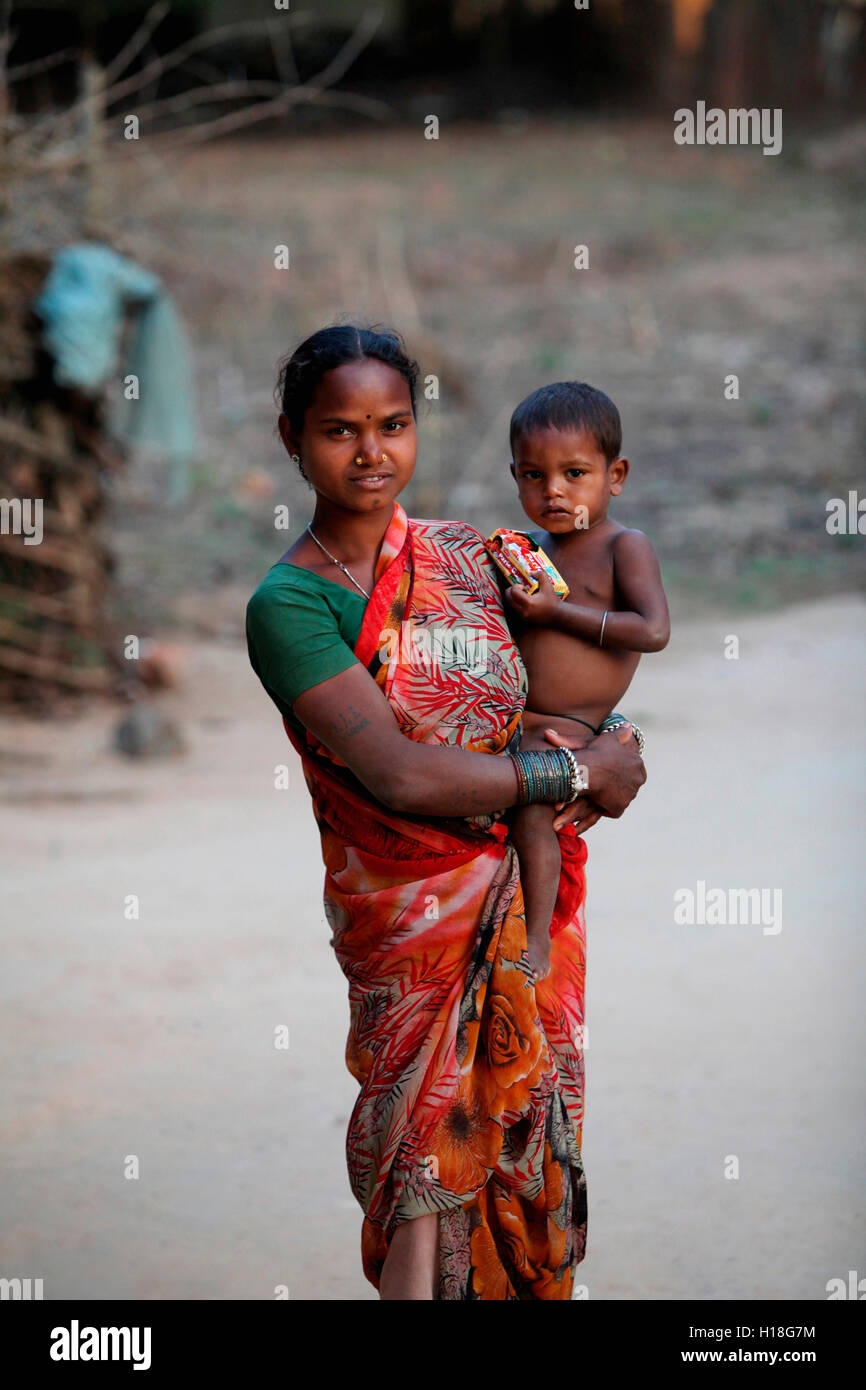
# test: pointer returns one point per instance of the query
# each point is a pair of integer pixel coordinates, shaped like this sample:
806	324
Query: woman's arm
349	714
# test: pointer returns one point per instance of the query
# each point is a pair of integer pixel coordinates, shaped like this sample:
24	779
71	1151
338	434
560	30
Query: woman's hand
581	812
614	770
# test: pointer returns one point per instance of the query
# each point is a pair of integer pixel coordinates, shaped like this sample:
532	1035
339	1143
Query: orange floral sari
471	1077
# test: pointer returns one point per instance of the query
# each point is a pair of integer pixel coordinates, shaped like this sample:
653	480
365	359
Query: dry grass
702	263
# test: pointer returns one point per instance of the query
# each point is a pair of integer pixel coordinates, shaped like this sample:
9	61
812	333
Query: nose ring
384	458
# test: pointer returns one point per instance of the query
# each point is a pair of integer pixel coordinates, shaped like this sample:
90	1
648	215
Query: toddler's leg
537	848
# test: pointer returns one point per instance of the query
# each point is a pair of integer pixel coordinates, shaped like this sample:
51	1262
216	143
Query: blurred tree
688	25
532	53
544	52
775	52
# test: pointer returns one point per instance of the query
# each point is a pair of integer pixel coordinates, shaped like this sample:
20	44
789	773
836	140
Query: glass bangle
545	775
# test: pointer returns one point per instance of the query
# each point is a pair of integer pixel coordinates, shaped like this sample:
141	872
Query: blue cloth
83	306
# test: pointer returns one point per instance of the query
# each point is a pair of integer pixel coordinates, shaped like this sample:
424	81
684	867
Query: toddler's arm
641	625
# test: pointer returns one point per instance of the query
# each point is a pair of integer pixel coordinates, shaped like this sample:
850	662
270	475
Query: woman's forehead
361	385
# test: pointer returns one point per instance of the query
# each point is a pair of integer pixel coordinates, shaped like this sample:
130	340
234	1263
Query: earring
296	459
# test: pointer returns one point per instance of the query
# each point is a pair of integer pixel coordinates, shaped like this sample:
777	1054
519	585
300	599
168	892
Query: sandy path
155	1037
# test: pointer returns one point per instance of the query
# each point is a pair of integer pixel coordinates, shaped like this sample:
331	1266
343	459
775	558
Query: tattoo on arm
350	722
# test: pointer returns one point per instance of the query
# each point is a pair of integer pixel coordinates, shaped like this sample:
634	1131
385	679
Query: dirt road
712	1048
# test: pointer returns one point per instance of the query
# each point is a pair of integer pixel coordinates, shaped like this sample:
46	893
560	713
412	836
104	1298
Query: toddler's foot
538	950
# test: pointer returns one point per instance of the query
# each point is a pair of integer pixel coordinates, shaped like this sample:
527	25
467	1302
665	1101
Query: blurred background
307	129
153	163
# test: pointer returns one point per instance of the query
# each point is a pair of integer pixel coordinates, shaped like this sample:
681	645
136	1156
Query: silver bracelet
601	634
616	722
578	782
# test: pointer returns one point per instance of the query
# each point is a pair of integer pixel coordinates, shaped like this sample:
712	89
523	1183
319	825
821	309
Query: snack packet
521	560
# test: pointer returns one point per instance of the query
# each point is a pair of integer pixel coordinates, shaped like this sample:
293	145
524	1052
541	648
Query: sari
471	1075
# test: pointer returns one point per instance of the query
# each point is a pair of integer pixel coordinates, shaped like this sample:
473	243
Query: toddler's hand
540	607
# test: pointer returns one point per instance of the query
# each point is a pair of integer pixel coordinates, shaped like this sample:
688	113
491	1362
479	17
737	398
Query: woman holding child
464	1144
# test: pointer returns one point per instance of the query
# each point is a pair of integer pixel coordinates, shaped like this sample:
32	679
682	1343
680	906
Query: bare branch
354	45
28	441
54	60
312	91
218	91
42	149
229	91
351	101
152	20
164	63
280	36
58	671
394	274
267	110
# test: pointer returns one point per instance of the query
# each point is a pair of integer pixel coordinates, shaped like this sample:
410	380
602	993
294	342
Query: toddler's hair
570	405
302	370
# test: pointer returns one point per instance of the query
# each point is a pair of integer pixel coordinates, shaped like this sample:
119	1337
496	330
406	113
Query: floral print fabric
471	1077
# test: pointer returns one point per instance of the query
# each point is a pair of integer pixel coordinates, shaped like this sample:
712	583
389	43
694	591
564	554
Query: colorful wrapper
522	560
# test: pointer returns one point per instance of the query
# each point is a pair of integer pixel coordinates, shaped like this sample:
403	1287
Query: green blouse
301	629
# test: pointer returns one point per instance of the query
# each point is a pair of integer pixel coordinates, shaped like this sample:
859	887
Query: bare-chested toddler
582	652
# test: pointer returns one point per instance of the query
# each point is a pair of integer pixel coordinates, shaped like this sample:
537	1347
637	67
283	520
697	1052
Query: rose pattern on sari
471	1077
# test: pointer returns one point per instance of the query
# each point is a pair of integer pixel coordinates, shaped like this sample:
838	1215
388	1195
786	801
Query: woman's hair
301	372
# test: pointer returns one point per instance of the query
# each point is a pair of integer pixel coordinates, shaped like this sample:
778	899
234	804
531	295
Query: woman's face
358	442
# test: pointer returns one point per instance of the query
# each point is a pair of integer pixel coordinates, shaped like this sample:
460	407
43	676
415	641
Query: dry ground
154	1037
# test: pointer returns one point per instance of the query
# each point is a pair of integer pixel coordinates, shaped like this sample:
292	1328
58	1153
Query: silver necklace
338	563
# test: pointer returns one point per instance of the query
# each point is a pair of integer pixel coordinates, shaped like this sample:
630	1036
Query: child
582	652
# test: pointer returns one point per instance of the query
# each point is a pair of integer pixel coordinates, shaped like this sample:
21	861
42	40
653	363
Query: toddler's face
563	480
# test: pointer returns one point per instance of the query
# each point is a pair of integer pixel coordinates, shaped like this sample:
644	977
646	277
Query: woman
464	1144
